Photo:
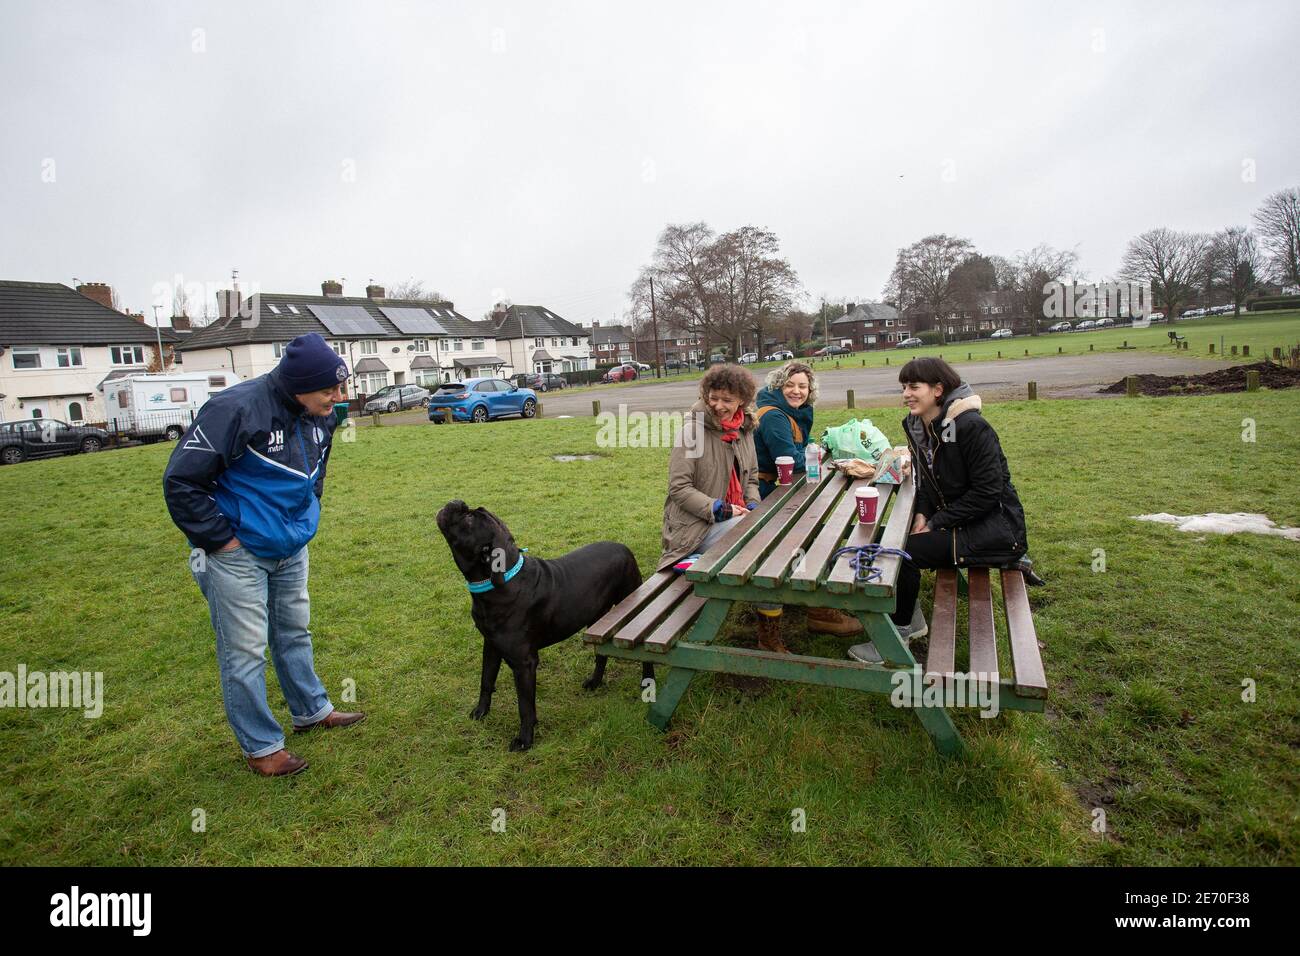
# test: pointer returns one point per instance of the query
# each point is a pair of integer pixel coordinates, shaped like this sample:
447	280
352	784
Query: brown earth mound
1225	380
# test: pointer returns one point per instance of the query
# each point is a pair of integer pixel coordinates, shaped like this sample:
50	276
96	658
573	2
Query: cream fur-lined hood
967	403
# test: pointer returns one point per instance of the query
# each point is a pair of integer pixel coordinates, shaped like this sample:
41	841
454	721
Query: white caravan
153	407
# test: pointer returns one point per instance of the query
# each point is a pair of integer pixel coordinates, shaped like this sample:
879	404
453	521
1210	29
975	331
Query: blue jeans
255	602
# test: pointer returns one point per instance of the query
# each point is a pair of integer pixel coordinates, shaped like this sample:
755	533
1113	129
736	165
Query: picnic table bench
788	551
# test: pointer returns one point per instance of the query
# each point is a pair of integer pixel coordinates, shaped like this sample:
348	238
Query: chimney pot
101	292
373	292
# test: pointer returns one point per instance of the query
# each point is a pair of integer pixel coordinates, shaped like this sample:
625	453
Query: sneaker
916	627
866	653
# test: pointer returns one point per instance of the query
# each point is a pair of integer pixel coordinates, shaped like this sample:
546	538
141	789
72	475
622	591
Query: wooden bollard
968	356
1089	346
886	359
446	416
1252	381
374	419
1245	350
864	363
837	364
1277	354
850	393
1131	386
999	353
539	409
1058	350
595	407
1126	343
1026	353
1211	348
1234	350
1033	391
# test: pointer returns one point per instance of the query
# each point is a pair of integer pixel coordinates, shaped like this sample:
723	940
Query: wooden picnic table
783	552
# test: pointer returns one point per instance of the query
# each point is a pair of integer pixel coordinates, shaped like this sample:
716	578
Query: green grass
1145	663
1262	333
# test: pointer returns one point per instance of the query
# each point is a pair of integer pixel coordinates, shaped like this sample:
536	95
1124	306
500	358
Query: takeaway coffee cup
784	470
868	499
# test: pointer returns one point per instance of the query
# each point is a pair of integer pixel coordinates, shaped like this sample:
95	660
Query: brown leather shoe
333	719
828	620
279	764
769	634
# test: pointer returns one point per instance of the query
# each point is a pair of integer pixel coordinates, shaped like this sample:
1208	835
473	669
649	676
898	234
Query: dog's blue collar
478	587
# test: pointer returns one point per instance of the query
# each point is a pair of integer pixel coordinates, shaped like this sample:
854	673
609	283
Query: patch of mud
1211	383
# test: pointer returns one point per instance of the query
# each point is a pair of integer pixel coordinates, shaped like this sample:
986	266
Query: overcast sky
535	151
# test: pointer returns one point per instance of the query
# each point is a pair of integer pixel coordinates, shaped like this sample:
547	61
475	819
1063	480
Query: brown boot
828	620
334	718
279	764
769	633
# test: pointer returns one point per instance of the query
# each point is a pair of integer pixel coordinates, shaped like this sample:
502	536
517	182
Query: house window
27	357
458	345
179	395
278	348
476	345
369	347
888	323
370	382
444	344
537	343
216	381
70	357
541	366
340	347
421	345
127	354
428	377
573	342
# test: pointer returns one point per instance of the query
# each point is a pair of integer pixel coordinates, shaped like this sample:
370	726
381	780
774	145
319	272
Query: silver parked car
392	398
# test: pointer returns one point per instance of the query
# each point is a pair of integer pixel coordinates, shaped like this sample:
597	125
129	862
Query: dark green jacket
775	437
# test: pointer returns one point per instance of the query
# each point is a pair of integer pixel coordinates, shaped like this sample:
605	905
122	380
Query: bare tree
180	300
1278	222
1030	274
1240	263
413	291
1170	261
972	280
922	276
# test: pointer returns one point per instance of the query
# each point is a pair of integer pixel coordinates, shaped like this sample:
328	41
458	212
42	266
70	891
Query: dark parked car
833	350
38	437
391	398
540	381
478	399
912	343
717	358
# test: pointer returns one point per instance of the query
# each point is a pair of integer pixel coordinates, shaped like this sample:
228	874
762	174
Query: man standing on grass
244	485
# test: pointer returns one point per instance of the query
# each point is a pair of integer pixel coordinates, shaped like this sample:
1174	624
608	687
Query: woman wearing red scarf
713	470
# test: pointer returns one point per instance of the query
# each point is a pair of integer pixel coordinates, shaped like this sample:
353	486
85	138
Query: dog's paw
519	744
479	712
591	683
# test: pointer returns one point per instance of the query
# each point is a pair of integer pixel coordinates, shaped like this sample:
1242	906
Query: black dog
541	604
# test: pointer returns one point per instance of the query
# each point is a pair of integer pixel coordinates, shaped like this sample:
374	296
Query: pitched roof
531	321
609	334
868	312
51	313
282	317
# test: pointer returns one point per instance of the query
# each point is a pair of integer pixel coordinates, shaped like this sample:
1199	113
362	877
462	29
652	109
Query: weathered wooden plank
666	634
624	610
631	633
896	531
808	573
943	625
726	547
842	576
1030	679
772	571
746	560
983	645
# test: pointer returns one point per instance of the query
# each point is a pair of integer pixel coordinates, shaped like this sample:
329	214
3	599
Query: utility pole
654	328
162	362
826	326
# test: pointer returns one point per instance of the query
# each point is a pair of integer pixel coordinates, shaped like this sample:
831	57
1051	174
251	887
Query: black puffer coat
964	488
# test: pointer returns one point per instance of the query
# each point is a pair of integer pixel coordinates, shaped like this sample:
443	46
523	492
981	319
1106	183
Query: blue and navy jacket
252	466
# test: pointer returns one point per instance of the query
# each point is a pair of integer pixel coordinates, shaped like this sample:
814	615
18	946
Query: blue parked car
478	399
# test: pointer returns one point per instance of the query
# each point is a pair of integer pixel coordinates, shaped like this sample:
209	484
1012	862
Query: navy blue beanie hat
310	365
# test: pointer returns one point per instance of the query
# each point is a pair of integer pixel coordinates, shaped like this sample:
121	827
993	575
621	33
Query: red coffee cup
784	470
868	499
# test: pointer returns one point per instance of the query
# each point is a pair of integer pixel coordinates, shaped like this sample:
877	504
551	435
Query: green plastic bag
856	439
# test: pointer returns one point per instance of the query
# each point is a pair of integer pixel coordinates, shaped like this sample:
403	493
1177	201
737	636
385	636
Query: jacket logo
276	442
199	441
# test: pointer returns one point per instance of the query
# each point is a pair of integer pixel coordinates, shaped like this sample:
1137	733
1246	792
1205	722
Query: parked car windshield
450	387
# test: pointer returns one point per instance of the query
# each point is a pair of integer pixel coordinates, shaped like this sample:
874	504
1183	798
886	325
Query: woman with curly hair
785	427
712	472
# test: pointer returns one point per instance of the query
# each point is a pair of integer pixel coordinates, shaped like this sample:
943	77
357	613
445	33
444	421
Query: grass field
1145	660
1262	333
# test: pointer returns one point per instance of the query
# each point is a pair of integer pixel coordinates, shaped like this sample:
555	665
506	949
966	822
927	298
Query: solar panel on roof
411	321
347	320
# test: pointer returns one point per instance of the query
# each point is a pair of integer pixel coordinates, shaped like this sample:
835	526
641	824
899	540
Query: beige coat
698	473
